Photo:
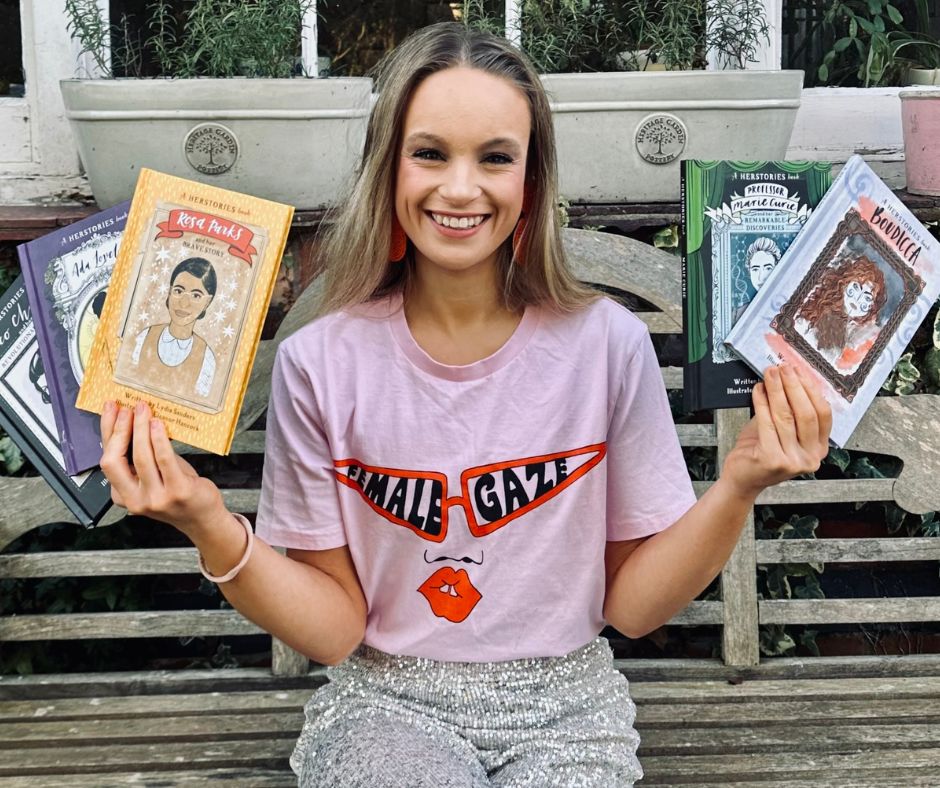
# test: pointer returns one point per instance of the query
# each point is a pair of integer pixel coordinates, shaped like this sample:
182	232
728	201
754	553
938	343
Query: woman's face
858	299
188	299
461	175
759	267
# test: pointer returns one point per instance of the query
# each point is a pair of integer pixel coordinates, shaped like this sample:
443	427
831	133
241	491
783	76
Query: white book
847	296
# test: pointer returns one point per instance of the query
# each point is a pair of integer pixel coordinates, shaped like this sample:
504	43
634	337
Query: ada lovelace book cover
66	275
187	300
26	411
738	218
847	297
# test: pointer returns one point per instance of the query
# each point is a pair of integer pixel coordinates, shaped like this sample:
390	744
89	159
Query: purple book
66	274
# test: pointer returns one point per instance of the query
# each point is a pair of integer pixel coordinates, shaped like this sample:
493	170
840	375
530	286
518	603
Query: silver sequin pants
404	722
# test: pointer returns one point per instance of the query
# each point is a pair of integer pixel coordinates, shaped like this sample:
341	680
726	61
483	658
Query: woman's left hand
788	435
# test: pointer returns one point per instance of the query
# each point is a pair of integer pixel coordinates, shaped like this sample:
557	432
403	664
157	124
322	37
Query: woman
470	460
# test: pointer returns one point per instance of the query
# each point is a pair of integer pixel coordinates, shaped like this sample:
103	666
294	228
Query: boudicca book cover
188	296
26	411
738	218
66	274
847	296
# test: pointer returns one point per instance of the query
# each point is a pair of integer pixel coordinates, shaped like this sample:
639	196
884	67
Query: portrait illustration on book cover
849	305
186	305
77	283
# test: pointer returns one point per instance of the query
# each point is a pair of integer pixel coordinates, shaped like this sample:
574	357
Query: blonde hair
357	237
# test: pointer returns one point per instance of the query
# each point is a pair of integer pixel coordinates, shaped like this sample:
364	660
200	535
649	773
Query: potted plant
226	105
621	133
919	49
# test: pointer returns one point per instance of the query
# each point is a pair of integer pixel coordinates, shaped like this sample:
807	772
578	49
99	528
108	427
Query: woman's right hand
158	483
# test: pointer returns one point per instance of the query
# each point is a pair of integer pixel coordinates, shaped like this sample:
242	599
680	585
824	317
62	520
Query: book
847	297
738	218
66	274
26	413
188	296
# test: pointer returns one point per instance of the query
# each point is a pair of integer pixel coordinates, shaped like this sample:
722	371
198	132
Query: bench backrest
906	427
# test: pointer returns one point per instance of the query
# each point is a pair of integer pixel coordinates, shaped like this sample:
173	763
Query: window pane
813	29
11	49
129	33
213	38
355	34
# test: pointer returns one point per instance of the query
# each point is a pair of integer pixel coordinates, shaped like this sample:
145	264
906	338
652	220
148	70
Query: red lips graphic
450	594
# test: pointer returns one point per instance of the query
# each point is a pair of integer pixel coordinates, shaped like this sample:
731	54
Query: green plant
11	458
564	35
787	581
735	31
207	38
920	49
87	26
861	50
673	31
601	35
918	370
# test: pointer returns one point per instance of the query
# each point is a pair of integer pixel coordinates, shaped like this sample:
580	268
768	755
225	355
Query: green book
738	218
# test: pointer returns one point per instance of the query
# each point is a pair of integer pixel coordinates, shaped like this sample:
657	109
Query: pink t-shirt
476	500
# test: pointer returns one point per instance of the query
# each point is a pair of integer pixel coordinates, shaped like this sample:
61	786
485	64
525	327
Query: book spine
689	371
32	279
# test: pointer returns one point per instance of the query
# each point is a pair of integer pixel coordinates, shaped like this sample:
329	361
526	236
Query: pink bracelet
230	575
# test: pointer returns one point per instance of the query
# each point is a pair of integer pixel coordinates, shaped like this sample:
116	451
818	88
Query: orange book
187	299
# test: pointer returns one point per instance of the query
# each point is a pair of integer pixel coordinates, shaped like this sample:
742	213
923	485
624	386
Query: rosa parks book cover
188	296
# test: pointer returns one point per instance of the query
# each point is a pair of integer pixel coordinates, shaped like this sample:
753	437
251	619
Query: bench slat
818	781
264	753
142	730
848	611
784	551
785	736
138	624
95	563
256	778
786	689
851	767
123	707
849	713
697	434
203	623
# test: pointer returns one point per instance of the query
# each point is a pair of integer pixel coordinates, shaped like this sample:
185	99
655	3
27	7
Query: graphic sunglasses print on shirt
491	495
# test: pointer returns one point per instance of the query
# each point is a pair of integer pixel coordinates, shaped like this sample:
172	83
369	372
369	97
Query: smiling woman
470	459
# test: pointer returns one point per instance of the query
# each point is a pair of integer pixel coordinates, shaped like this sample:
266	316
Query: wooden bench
735	721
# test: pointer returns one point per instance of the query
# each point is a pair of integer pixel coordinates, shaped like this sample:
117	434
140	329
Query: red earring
518	236
399	243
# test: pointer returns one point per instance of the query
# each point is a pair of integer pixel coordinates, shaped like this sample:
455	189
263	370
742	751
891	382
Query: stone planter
920	122
291	140
621	136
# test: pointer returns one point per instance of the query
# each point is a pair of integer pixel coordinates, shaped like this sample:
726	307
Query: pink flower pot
920	120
